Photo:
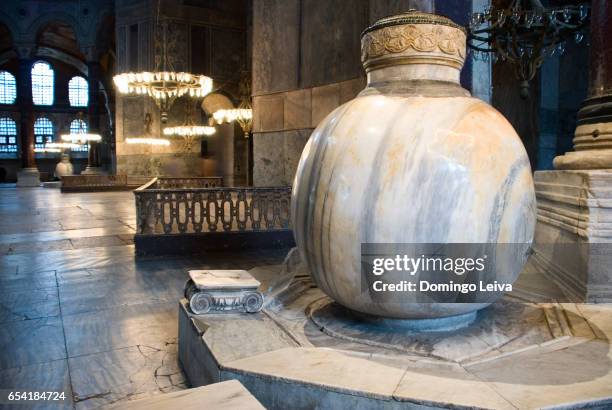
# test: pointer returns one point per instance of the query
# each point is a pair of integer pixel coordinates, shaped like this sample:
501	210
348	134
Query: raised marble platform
573	238
226	395
303	351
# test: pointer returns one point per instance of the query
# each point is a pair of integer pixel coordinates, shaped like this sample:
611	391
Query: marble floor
79	313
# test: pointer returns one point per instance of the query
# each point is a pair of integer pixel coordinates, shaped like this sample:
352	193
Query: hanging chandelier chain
524	33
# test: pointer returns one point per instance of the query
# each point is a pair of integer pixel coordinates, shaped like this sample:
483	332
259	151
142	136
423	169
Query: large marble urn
413	159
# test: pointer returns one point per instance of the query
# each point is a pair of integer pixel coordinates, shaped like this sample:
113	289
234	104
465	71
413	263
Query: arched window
8	135
42	84
78	126
43	132
78	92
8	88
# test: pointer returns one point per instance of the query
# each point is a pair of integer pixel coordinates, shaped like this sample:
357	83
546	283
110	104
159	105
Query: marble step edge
580	220
587	177
576	290
592	201
579	188
577	208
593	235
572	287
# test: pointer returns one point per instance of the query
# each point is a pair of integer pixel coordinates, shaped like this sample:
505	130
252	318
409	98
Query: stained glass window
8	88
78	92
42	84
43	132
8	135
78	126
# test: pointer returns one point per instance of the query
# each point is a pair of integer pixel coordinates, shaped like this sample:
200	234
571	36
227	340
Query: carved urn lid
413	37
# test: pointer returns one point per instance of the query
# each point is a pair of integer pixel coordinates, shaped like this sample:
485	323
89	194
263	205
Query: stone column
593	138
93	159
574	233
28	176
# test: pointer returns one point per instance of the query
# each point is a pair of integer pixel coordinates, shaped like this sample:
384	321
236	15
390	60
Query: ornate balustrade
84	183
173	218
196	182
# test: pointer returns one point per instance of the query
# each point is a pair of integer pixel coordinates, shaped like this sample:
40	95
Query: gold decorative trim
420	38
413	17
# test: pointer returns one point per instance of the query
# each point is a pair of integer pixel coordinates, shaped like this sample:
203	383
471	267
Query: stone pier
28	176
574	232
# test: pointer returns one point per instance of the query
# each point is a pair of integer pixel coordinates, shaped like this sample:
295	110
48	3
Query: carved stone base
28	177
573	239
580	160
211	291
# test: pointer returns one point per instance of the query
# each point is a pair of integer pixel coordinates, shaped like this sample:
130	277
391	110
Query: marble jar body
64	167
412	159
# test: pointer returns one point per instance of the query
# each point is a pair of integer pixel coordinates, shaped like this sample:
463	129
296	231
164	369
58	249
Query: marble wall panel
298	109
303	108
293	146
228	53
159	164
132	118
275	45
276	156
271	118
324	100
330	40
350	89
268	157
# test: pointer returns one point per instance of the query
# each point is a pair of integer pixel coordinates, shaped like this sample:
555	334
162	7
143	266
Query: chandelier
55	147
164	85
190	130
46	149
524	33
81	136
189	127
243	114
63	145
147	139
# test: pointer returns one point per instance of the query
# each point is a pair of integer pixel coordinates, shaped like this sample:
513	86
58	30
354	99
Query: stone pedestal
573	240
28	177
303	351
574	231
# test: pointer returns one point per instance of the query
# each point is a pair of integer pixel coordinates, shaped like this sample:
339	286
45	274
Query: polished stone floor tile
70	259
95	293
36	247
28	304
124	326
51	376
98	241
124	374
31	341
70	234
17	281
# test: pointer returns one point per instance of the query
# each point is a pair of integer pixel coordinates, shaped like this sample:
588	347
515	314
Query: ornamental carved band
414	40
